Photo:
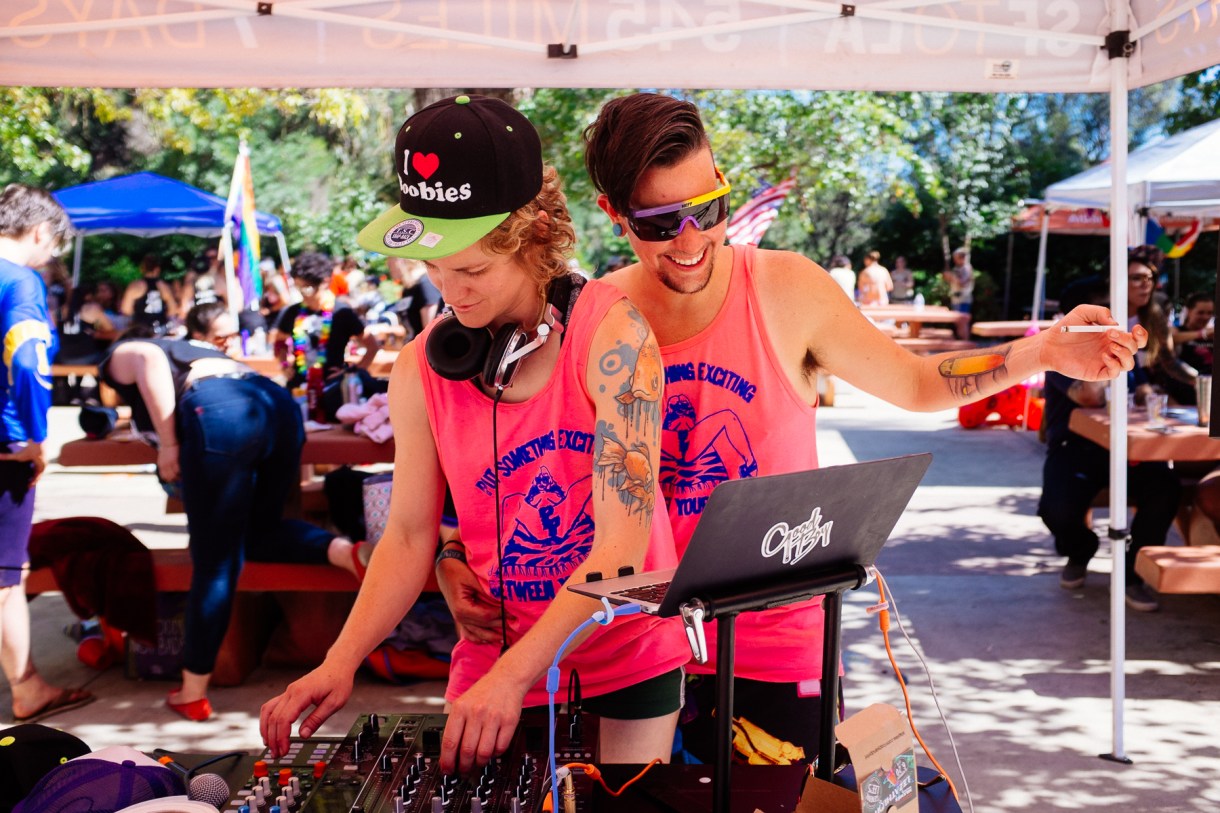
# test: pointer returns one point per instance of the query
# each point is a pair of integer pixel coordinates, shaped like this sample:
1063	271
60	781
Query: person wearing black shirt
420	298
315	330
1077	469
149	300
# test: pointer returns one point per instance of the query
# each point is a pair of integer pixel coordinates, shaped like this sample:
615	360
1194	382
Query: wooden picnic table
1014	328
1182	441
335	446
271	367
1167	569
915	317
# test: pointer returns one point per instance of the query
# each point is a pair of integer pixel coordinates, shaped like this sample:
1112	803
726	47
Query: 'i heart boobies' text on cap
464	164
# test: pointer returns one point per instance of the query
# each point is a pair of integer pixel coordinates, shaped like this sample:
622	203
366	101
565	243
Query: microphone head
209	788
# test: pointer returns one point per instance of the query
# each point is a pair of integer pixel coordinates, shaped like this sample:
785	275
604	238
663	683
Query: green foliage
1199	102
910	174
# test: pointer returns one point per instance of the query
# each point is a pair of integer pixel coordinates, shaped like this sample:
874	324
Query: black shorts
775	709
655	697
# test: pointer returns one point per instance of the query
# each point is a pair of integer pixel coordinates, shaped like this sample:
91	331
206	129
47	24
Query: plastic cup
1155	403
1203	388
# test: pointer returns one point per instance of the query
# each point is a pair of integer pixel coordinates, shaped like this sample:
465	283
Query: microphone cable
605	617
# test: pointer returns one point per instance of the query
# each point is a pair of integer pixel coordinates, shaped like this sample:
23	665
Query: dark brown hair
633	134
1145	255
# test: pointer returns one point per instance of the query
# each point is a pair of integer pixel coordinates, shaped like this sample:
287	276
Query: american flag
749	223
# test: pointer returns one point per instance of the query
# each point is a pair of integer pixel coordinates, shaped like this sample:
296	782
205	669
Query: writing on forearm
968	373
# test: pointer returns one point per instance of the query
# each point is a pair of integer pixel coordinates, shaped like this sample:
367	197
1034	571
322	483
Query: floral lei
300	341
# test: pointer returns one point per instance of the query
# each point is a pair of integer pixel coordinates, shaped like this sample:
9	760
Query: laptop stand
725	607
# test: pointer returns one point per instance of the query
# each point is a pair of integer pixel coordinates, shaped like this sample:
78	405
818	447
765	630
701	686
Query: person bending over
229	441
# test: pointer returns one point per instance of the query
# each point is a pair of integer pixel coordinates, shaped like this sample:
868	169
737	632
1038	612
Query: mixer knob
375	722
437	805
260	768
281	802
420	764
398	739
357	750
385	763
476	806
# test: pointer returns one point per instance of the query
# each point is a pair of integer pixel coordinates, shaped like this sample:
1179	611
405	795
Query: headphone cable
495	469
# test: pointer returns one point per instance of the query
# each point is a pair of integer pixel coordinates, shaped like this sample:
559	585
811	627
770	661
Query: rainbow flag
240	215
1173	247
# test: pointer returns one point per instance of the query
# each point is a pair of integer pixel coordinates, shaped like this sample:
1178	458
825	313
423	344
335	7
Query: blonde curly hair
540	232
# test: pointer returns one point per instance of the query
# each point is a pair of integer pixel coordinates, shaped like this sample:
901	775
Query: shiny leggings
240	456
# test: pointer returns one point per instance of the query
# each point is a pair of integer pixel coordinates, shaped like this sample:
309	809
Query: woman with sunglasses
229	443
743	334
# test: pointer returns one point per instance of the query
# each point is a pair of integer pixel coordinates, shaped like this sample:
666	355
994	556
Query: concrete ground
1021	667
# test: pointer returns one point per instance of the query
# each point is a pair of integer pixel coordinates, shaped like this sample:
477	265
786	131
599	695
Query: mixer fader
389	763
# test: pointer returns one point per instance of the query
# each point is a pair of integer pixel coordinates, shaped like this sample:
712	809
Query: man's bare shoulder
788	276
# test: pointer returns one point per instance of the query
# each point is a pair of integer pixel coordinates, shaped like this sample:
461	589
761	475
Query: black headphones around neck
460	353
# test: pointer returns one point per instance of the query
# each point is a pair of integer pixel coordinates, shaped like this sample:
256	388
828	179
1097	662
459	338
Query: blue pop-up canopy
149	205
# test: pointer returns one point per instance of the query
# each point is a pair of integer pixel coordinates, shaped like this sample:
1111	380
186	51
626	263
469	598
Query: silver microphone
210	789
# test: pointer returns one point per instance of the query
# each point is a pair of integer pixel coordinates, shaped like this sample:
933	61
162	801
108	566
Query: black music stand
726	606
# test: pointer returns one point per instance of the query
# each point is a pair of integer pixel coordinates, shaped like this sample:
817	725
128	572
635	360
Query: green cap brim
399	234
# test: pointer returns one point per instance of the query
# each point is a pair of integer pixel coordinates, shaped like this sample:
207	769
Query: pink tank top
545	465
731	412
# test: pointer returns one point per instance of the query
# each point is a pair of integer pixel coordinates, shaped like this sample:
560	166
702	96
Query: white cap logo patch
404	233
431	239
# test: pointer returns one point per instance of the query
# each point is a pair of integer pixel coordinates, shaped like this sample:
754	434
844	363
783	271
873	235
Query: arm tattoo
967	374
623	459
639	391
627	470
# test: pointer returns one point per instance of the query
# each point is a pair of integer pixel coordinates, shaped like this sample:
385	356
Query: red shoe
196	711
359	560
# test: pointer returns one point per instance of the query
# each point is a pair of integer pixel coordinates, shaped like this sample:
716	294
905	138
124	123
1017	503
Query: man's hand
476	618
481	724
29	453
326	688
1091	356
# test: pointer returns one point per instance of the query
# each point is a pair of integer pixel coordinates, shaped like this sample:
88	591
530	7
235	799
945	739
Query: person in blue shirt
32	228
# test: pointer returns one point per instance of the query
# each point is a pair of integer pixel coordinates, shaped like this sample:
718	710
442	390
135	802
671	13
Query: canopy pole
282	244
77	250
1040	272
1120	52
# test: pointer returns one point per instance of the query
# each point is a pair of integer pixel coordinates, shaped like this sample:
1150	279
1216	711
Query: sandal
196	711
65	700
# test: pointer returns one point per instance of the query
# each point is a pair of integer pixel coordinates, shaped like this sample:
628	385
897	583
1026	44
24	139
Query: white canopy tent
1178	176
1094	46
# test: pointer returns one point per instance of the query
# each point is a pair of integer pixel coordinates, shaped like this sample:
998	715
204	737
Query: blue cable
604	617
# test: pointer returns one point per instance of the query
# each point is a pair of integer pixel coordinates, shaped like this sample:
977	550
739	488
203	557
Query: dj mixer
389	763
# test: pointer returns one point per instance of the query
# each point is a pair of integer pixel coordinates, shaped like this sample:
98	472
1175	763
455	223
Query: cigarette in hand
1087	328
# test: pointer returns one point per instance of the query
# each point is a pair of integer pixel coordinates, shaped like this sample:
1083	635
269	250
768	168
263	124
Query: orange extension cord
883	620
594	773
